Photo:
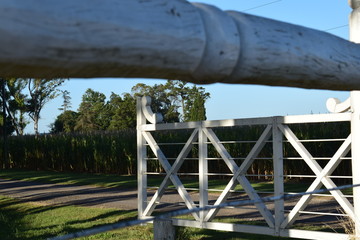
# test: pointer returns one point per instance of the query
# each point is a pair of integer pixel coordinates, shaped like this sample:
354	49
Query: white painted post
355	118
203	173
141	155
164	230
278	161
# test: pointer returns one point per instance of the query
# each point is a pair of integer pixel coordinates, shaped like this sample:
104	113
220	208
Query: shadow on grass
30	222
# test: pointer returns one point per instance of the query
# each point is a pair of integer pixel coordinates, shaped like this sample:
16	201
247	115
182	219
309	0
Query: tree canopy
27	97
175	100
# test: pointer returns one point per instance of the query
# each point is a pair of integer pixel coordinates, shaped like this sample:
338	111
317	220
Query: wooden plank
354	27
164	230
203	171
316	185
315	167
278	163
292	233
174	179
310	118
237	171
141	161
169	40
174	168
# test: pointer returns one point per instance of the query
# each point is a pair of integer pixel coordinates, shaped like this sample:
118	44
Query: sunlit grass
102	180
128	182
27	221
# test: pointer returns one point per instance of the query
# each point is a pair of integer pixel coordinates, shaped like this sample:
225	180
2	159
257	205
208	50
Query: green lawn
31	222
101	180
127	182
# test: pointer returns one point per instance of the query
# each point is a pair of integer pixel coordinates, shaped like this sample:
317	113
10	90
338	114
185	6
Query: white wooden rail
277	131
168	39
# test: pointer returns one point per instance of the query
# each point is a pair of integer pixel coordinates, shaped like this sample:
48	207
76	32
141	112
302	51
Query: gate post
278	161
354	25
355	155
141	162
203	173
164	230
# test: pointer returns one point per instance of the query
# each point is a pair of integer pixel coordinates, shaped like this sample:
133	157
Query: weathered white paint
292	233
355	155
317	184
167	167
334	105
141	164
278	221
164	230
317	169
354	23
170	39
148	113
278	163
174	168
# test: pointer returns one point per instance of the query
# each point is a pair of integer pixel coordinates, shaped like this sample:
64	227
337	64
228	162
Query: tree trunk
36	125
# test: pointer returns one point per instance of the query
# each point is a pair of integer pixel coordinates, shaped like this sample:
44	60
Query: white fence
275	219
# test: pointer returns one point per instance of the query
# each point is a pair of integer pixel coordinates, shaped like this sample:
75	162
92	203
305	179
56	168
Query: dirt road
126	199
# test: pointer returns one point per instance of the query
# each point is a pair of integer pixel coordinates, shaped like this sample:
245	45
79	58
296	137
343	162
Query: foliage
123	112
115	151
25	96
65	122
41	91
161	100
169	98
96	113
93	112
15	105
66	101
29	221
197	111
105	152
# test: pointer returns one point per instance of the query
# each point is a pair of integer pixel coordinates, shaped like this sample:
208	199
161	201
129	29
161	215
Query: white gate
271	219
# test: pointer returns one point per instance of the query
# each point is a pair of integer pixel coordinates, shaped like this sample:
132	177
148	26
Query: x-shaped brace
321	176
171	173
239	174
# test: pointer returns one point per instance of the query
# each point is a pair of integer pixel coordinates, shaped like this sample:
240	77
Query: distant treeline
115	151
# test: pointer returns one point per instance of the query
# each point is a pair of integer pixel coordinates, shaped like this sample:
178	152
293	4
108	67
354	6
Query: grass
101	180
127	182
30	222
27	221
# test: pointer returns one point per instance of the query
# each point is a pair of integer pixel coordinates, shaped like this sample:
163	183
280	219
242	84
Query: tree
15	104
65	122
172	96
66	101
93	112
123	110
197	111
194	107
41	92
162	100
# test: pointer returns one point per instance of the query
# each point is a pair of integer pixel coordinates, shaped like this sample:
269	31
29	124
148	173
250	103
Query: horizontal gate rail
274	132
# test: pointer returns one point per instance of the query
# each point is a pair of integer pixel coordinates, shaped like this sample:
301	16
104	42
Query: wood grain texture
168	39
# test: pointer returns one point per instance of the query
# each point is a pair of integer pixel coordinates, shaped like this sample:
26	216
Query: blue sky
241	101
